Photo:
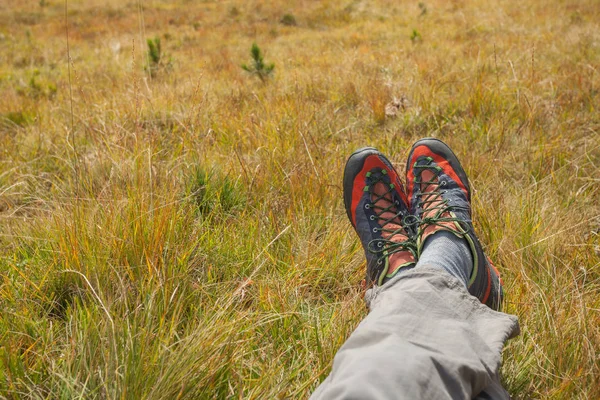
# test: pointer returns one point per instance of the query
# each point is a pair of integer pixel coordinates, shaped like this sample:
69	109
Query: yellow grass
182	235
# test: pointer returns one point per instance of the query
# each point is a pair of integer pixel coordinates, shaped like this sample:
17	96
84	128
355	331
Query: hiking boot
440	197
376	206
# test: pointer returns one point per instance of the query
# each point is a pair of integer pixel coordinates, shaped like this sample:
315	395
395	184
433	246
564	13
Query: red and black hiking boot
440	197
376	205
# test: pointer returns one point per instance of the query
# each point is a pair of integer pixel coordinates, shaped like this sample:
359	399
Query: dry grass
183	235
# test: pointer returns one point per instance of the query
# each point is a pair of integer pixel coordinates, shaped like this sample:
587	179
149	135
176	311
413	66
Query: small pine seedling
154	50
415	36
156	58
154	55
258	66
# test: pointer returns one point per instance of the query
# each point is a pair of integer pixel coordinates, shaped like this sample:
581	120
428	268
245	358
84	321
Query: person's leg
440	199
377	208
425	337
428	335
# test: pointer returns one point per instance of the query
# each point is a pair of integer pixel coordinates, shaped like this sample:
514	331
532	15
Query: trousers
425	337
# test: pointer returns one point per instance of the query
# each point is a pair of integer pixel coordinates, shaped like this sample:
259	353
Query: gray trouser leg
426	337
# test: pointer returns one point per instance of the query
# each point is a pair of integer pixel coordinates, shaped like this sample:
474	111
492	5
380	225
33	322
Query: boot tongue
433	199
400	258
379	190
392	230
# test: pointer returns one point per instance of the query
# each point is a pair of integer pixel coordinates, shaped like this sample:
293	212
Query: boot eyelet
443	183
379	262
367	206
372	218
375	230
409	220
379	244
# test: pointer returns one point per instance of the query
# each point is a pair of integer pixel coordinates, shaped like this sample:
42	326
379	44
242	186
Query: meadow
172	226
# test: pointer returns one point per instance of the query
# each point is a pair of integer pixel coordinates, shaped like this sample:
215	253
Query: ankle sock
449	252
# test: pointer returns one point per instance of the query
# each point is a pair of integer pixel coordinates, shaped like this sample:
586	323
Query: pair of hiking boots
393	224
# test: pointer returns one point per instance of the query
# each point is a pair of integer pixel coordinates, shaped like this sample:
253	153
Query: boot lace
388	224
433	208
